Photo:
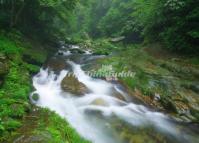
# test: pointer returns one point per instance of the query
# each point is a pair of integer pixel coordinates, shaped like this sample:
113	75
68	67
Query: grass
43	125
61	131
51	126
15	90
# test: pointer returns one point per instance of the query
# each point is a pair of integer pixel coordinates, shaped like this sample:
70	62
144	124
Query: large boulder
57	64
72	85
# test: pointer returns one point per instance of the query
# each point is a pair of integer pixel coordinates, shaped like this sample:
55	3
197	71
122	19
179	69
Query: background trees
174	23
47	19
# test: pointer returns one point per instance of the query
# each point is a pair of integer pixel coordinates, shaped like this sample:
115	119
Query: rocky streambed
101	111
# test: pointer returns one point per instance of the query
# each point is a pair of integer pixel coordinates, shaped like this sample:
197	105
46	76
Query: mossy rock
31	60
35	97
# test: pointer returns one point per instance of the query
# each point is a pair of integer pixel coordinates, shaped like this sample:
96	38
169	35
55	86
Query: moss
14	101
8	47
34	56
12	124
32	68
14	95
16	87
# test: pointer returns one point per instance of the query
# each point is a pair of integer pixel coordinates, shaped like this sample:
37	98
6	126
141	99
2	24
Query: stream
100	115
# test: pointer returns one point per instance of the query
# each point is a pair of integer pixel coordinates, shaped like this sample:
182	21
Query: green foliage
87	16
11	124
14	94
32	68
102	47
49	16
15	89
14	102
171	22
8	47
58	126
17	77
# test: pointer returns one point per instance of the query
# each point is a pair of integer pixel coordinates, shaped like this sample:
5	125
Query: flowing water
100	116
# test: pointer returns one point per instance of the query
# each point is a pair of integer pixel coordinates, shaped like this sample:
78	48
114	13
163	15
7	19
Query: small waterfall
77	109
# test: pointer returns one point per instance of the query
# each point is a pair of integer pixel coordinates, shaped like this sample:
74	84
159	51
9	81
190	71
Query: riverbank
164	81
20	121
98	108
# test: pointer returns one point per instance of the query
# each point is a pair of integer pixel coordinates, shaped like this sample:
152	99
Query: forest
43	41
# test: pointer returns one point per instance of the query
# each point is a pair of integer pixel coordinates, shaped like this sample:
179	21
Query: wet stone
72	85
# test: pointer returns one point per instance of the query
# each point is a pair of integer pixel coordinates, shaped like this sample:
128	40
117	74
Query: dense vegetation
45	19
30	28
25	25
19	59
174	23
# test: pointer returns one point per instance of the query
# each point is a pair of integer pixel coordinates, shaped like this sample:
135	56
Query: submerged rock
118	95
72	85
60	53
99	102
77	51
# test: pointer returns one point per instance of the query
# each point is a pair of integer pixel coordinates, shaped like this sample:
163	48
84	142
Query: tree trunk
12	13
19	13
15	14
